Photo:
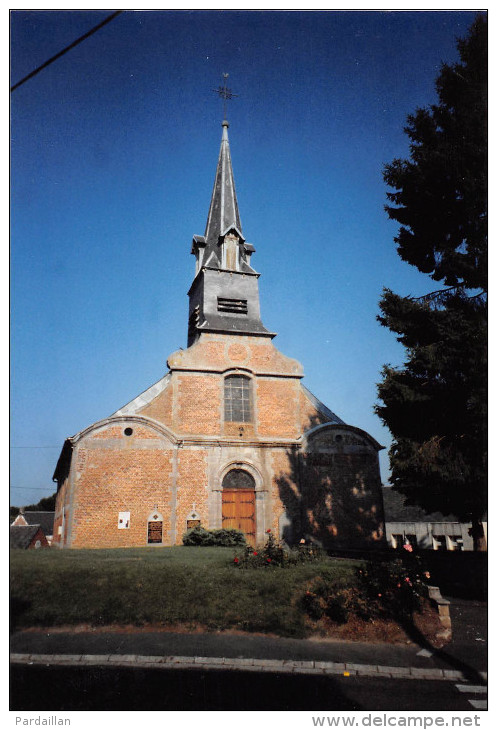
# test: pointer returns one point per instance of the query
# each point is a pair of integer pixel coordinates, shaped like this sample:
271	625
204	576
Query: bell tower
224	295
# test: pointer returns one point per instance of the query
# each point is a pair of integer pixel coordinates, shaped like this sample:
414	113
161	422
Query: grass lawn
167	587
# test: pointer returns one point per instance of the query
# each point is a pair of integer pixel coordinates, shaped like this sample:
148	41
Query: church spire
224	295
223	211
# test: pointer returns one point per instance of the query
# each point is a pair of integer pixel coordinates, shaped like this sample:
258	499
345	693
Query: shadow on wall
332	489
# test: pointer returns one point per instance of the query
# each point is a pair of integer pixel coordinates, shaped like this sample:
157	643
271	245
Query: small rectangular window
411	540
439	542
397	541
233	306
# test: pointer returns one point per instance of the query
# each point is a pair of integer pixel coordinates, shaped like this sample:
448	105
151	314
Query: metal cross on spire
224	93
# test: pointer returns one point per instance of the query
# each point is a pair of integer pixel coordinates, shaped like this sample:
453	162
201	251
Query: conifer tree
435	405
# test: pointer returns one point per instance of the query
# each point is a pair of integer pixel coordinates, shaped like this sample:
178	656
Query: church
229	437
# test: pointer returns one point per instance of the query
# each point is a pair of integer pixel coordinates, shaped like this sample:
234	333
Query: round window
128	431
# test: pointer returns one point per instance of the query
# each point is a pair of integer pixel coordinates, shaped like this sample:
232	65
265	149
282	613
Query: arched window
238	479
237	399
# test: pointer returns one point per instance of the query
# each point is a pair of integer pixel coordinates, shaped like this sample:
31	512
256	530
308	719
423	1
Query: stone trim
114	420
337	427
287	666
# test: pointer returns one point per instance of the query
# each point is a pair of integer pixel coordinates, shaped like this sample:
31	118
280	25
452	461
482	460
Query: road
97	688
453	677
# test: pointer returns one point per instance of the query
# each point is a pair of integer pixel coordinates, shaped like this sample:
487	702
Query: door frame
261	496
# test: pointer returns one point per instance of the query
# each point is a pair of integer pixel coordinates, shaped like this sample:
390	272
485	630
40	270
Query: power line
66	49
37	489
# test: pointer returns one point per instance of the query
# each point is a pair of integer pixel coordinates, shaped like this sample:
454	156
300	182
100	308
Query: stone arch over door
239	502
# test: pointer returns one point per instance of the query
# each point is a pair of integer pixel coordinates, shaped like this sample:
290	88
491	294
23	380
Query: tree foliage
435	405
46	504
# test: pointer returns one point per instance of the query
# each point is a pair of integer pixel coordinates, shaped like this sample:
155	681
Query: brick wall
341	490
308	415
161	408
115	473
335	500
198	401
277	407
193	488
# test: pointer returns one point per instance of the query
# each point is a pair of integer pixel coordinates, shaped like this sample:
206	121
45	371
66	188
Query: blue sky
113	155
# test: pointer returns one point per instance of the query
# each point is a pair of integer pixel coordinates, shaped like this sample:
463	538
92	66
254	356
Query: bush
275	554
383	590
399	584
215	538
335	602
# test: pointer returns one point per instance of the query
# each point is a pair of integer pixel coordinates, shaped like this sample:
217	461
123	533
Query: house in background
44	520
410	524
27	537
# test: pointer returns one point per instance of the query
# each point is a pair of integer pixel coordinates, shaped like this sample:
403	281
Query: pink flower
236	560
267	531
254	553
269	560
408	548
407	580
379	595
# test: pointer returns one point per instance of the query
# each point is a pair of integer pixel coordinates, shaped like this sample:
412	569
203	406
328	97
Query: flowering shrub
335	602
396	588
274	554
388	590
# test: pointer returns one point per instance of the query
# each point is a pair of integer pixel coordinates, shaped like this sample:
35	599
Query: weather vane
224	93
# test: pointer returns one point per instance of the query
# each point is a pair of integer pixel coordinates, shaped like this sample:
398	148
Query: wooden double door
239	512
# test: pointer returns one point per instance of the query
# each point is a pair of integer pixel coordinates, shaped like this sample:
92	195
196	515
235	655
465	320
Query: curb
285	666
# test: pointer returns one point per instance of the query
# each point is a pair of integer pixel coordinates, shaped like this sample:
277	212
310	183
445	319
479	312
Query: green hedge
216	538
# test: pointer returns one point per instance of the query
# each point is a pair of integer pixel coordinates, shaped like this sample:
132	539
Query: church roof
223	211
332	417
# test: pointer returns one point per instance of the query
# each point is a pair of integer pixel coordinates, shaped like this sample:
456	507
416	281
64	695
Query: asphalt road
97	688
53	687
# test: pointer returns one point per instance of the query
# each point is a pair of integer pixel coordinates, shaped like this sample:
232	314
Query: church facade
229	437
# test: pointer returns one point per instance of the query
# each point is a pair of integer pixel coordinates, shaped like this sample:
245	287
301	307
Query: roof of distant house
21	536
44	519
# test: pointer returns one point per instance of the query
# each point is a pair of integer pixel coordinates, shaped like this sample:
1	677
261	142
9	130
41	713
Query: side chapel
229	437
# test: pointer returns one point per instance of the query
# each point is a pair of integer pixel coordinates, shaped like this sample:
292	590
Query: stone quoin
229	437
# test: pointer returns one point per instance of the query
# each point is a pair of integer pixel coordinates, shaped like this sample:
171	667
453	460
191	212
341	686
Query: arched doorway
239	503
154	528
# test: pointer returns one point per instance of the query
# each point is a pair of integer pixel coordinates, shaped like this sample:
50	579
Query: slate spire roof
223	211
224	295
